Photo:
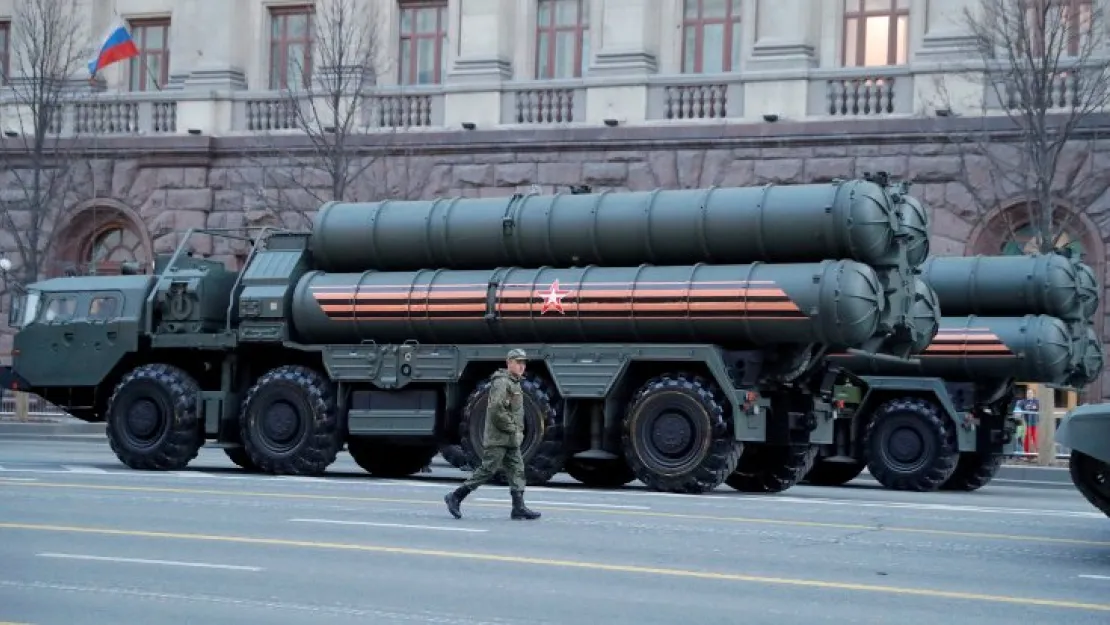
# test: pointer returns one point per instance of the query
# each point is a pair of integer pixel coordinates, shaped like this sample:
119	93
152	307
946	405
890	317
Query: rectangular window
876	32
1065	24
423	36
291	35
5	51
562	38
710	36
150	71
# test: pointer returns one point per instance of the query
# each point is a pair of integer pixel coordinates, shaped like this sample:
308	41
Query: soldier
504	432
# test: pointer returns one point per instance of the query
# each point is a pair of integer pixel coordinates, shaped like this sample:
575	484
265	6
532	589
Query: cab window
58	308
103	308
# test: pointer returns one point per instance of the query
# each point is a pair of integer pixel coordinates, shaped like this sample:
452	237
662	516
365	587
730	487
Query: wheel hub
280	422
672	433
906	445
143	418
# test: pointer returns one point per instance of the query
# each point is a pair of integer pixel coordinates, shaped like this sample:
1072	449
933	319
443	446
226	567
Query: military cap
516	354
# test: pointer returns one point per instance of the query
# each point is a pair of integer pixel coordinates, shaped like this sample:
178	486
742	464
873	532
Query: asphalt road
84	540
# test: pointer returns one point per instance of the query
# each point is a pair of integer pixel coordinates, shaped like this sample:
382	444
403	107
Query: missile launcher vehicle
379	330
943	420
1086	431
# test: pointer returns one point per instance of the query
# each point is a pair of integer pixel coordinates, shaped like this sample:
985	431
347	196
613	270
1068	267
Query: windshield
23	309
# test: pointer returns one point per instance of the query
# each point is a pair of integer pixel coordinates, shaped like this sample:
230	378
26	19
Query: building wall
193	146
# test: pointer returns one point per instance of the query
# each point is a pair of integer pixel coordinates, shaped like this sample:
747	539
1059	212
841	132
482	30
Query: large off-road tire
1092	478
544	450
152	421
974	470
771	468
832	473
239	456
600	473
289	422
675	435
910	446
382	459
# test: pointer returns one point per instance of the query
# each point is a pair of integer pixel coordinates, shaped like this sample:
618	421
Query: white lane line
19	479
569	503
76	468
397	525
191	474
924	506
1099	577
201	565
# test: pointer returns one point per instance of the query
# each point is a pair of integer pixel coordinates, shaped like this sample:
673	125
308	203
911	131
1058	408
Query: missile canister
1032	348
1011	286
833	302
1088	289
915	226
926	315
853	220
1089	356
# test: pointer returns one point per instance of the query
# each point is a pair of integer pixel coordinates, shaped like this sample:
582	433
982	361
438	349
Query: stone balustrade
852	93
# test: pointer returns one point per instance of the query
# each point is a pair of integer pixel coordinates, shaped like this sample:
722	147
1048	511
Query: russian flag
117	45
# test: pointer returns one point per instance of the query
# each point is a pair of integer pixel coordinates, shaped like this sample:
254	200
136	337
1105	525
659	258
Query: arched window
111	247
1025	241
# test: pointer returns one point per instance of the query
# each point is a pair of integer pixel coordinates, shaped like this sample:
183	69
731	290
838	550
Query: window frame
138	64
581	30
280	45
730	47
411	39
892	12
5	51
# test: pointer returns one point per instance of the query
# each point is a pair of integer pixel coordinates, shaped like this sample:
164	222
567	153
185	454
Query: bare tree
327	100
49	49
1044	66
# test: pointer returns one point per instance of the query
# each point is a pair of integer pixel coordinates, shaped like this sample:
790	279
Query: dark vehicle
1086	431
379	330
944	420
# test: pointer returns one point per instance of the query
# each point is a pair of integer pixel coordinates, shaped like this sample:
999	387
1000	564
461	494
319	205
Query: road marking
192	474
76	468
571	503
199	565
400	525
569	508
925	506
18	479
12	623
1101	577
570	564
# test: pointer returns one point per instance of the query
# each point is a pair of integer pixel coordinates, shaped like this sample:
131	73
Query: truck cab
93	320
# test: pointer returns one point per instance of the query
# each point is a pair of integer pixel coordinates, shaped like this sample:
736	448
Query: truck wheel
382	459
543	448
675	436
152	421
600	473
289	423
1092	478
973	471
771	468
910	446
832	473
239	456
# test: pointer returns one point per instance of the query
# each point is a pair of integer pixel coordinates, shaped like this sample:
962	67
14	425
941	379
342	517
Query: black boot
520	511
454	498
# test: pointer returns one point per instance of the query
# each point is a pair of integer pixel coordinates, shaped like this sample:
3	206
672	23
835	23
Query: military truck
1086	431
944	422
379	328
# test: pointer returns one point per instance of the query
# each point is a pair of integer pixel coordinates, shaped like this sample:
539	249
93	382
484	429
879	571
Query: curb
16	429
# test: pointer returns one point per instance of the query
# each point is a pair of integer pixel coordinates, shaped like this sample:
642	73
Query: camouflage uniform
502	437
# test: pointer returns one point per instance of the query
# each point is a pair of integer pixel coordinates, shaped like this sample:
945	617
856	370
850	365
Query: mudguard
1086	429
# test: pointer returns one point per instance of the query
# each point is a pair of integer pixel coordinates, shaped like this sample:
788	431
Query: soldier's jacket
505	412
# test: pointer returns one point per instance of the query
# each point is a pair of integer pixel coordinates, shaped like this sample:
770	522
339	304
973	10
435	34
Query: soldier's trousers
494	458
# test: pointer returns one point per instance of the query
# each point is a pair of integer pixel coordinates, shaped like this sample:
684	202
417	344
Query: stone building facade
492	96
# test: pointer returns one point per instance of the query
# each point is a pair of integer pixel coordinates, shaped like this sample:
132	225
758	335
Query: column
482	33
785	43
625	38
946	42
208	44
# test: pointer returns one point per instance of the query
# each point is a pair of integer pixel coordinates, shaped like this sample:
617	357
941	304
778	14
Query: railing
862	92
100	114
1025	443
541	103
385	108
689	98
37	407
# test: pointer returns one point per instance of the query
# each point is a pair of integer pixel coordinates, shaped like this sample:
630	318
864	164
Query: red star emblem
552	298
